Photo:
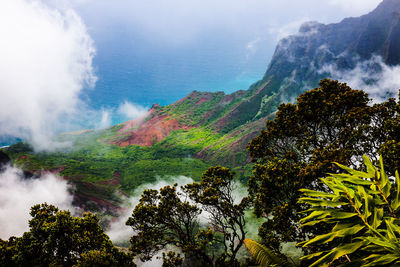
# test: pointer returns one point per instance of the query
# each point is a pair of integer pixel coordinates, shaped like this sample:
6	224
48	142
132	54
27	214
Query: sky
72	64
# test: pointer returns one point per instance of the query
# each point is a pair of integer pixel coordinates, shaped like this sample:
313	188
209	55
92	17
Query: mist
18	195
130	110
376	78
46	62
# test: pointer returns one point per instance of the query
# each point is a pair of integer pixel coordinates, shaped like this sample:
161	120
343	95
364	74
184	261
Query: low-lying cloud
18	195
373	76
130	110
46	62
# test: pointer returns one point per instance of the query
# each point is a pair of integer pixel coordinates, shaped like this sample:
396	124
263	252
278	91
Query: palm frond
264	256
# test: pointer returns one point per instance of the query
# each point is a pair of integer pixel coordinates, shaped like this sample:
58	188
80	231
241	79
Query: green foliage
161	218
362	210
170	218
58	239
215	194
263	255
332	123
172	259
103	258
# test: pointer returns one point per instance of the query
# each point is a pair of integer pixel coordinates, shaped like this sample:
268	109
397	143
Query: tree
362	210
103	258
162	219
171	259
327	124
57	238
170	218
384	135
215	195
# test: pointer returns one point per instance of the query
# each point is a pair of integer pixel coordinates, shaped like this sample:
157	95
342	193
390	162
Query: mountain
205	129
299	60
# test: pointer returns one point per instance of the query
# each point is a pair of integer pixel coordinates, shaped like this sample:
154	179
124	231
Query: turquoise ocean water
144	72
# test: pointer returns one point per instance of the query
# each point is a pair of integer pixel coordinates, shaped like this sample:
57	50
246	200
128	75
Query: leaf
310	256
332	214
355	172
313	193
383	242
315	215
262	255
339	252
390	230
344	177
380	260
367	201
396	201
371	169
323	239
342	214
321	202
311	223
340	226
378	214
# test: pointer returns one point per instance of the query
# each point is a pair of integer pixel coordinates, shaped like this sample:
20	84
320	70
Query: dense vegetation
56	238
362	211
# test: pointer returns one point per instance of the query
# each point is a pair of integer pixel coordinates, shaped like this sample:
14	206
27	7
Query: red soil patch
155	129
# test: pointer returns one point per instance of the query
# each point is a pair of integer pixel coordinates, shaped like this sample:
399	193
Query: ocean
145	72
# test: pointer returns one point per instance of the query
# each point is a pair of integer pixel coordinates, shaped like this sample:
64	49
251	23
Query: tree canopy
169	218
56	238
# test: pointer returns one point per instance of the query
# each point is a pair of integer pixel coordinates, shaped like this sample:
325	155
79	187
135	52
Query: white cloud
291	28
106	119
18	195
46	61
130	110
251	47
373	76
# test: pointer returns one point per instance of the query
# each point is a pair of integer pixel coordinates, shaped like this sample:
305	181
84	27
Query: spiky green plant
264	256
363	209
